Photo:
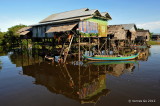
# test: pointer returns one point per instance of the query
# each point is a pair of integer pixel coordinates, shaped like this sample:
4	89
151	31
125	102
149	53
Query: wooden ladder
65	56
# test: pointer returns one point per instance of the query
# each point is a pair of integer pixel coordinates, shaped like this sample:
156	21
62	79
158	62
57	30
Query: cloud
6	23
152	26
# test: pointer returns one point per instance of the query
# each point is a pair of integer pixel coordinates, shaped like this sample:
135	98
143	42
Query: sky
144	13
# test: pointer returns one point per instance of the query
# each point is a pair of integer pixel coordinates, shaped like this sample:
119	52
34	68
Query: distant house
85	20
156	36
130	31
117	32
25	33
143	35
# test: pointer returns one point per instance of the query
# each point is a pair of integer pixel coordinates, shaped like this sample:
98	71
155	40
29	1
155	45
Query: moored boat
111	57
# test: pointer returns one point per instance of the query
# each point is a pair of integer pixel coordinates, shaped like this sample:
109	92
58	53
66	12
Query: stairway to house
65	49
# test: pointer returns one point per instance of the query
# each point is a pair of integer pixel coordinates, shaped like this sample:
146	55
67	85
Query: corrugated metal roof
69	14
75	14
63	21
106	15
128	26
62	28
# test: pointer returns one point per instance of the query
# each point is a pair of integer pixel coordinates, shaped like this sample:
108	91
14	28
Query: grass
153	43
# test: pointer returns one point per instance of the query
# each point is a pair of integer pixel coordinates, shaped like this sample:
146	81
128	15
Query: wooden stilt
106	47
27	44
98	46
79	55
89	46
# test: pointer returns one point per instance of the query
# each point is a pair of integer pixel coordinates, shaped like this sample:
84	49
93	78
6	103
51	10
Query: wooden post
98	45
21	45
118	46
106	46
79	69
109	47
89	46
79	56
27	44
89	72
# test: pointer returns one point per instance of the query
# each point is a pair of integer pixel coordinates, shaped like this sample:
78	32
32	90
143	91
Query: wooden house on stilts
143	35
63	30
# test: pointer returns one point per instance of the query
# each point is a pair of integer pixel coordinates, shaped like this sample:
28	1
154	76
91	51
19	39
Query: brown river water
30	81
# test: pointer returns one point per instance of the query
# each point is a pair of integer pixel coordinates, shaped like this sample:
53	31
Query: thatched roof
142	32
112	29
73	15
62	28
24	31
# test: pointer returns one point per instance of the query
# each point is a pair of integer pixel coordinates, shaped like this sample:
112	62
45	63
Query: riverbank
153	43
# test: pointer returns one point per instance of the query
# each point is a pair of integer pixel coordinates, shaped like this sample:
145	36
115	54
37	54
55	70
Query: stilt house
143	35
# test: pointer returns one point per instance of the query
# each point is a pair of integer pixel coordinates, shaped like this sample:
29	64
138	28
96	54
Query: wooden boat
50	58
139	46
111	57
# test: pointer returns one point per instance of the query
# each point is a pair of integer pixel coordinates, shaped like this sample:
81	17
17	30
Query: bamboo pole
79	69
106	47
98	45
89	46
79	58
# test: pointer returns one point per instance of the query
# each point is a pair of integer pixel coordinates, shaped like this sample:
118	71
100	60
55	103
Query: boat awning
61	28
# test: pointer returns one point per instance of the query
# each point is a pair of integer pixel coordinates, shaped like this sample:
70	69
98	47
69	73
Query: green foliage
9	37
13	30
153	43
140	29
1	35
151	33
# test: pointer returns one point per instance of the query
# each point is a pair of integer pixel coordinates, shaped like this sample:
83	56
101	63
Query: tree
9	37
140	29
1	35
12	31
151	33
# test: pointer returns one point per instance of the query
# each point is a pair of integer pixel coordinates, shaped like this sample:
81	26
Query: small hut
130	31
156	36
25	33
116	31
143	35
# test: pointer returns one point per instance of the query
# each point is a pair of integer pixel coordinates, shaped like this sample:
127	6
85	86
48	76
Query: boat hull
111	58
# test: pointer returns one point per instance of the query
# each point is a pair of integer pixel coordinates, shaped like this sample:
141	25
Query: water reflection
115	68
144	54
24	59
74	82
85	83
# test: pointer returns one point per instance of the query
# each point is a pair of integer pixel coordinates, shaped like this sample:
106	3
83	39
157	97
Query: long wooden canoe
111	57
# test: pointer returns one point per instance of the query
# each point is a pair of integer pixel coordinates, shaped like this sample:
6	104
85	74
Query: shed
130	31
117	31
25	32
156	36
143	35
